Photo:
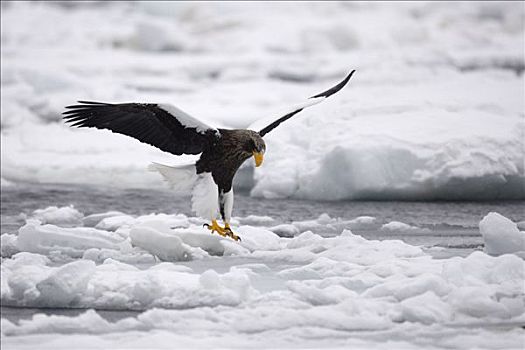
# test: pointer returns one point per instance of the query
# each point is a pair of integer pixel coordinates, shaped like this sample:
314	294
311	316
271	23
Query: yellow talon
214	227
230	233
224	232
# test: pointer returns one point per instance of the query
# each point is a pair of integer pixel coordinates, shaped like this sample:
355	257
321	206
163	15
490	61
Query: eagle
222	151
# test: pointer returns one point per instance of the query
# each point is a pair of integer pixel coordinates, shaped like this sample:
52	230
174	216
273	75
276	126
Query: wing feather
310	102
163	126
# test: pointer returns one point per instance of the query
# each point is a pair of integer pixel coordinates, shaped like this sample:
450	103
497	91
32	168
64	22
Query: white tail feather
180	178
203	190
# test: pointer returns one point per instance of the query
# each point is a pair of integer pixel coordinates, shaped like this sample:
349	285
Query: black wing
163	126
310	102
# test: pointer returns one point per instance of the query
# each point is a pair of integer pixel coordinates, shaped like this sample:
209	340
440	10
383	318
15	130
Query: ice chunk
361	222
20	276
93	219
477	302
164	221
166	247
65	285
130	257
284	230
257	220
426	308
326	224
404	288
8	245
397	226
72	242
501	235
199	238
113	222
317	295
254	238
63	216
27	280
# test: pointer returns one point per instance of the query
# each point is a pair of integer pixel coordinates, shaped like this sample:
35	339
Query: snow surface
201	290
434	110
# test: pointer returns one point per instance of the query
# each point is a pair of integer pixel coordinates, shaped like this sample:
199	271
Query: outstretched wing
163	126
310	102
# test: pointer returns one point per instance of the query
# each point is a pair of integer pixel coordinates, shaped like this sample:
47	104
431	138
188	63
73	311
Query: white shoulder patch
185	119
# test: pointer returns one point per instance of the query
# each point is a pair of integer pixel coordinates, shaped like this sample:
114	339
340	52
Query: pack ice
190	281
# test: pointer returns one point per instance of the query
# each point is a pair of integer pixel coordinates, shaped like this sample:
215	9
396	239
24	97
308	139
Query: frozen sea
442	229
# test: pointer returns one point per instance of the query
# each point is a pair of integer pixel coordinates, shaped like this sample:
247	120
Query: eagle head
255	146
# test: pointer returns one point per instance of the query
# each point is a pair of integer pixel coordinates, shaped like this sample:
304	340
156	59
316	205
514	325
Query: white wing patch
205	197
185	119
261	123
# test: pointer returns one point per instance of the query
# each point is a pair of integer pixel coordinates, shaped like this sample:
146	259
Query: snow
501	235
433	111
190	281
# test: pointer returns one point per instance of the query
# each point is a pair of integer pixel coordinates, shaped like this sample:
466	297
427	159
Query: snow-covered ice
434	111
340	286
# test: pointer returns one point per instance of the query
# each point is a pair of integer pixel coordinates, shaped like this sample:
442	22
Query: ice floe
174	268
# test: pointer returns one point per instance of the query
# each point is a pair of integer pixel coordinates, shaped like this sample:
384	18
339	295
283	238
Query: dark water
25	198
451	227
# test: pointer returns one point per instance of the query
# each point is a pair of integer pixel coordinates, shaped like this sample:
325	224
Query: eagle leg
230	233
215	227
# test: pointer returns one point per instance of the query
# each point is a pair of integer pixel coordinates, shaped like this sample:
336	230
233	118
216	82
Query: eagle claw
230	233
224	232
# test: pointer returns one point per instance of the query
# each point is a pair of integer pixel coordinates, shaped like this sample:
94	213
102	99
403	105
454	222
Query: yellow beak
258	156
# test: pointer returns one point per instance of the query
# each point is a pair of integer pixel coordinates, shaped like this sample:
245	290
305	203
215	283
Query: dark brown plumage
225	157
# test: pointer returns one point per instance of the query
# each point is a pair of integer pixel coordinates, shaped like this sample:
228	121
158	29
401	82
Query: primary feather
163	126
298	108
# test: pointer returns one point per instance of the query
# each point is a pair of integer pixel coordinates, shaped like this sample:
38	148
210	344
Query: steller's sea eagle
172	130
